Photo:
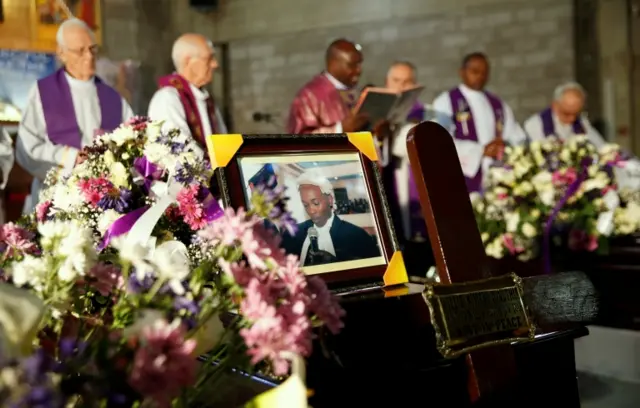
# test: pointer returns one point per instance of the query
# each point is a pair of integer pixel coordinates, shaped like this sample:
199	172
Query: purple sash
462	114
417	113
59	113
549	127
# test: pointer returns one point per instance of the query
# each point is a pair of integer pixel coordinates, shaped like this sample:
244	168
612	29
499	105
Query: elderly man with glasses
67	109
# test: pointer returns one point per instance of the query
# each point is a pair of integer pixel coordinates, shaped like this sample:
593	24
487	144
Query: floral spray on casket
553	192
134	262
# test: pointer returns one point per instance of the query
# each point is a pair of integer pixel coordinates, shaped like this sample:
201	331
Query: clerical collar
79	82
199	93
465	88
327	226
337	84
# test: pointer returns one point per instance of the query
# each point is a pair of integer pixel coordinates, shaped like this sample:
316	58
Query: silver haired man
564	118
182	99
325	237
65	110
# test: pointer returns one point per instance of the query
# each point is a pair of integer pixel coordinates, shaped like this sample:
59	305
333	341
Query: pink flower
325	305
274	329
137	122
163	364
261	246
564	177
509	243
94	189
105	278
229	229
191	208
42	210
239	271
581	241
15	240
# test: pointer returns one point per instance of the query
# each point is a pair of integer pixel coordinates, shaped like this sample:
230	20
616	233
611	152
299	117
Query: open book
381	103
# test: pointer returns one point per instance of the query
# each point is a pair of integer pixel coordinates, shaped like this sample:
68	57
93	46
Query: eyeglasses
92	49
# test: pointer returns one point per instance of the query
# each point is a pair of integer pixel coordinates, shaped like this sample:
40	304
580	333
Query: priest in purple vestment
182	99
564	118
66	109
479	121
324	104
397	176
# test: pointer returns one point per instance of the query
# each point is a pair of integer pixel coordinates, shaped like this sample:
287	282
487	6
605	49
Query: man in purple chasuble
66	109
182	100
324	104
564	118
480	122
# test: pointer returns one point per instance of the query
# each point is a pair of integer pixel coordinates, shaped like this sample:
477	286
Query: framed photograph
344	233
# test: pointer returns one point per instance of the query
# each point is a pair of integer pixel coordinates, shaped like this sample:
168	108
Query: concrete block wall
276	46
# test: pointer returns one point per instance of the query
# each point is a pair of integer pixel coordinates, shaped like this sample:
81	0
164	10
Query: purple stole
190	106
416	114
546	116
59	113
466	128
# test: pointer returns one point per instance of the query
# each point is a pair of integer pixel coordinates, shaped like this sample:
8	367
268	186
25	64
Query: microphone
312	233
261	117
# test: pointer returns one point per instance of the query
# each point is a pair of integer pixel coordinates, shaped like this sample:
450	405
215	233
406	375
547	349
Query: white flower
513	220
133	253
153	130
501	175
119	175
67	196
106	219
30	271
122	135
160	154
171	261
529	230
71	245
495	249
600	181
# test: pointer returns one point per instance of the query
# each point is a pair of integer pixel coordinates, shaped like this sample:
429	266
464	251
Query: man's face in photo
317	205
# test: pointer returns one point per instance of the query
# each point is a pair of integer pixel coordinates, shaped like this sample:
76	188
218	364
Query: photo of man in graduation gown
479	121
324	104
67	109
182	100
564	118
325	238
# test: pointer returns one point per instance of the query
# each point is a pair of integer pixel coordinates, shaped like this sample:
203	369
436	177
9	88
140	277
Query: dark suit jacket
350	241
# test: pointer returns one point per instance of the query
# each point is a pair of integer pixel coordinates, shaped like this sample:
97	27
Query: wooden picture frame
287	152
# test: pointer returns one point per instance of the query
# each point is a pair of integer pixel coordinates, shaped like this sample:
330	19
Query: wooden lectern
386	355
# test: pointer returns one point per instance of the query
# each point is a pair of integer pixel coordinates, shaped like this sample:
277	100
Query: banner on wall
19	70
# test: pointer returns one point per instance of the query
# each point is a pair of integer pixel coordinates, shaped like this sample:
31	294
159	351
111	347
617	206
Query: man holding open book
324	104
479	121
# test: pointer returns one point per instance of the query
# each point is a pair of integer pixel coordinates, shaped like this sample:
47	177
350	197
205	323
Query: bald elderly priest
324	104
182	99
66	109
564	117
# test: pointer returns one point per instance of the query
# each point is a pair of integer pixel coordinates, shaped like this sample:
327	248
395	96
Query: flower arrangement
133	265
565	193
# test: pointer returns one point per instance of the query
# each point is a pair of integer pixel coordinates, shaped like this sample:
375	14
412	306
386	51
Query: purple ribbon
571	190
147	170
121	226
212	209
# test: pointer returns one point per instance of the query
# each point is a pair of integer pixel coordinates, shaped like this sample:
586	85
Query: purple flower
118	200
187	310
275	194
184	173
140	286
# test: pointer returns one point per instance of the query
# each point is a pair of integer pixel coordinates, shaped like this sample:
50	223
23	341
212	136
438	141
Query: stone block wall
276	46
